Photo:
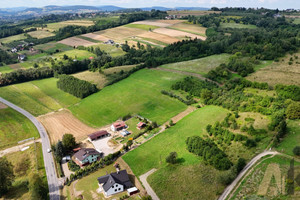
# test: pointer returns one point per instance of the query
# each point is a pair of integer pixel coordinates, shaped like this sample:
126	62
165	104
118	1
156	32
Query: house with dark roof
86	156
98	135
118	126
114	183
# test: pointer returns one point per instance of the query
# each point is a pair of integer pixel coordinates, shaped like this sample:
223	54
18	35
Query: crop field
159	37
51	47
75	54
138	94
40	34
156	23
26	162
292	138
268	180
38	97
112	50
236	25
5	69
14	127
96	37
176	33
142	26
199	66
190	28
55	26
62	122
283	72
13	38
191	12
75	42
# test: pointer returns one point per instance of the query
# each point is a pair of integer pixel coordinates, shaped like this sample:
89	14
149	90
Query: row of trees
189	100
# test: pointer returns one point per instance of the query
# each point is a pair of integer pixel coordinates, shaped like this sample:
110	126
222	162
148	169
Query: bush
73	166
172	158
293	111
296	150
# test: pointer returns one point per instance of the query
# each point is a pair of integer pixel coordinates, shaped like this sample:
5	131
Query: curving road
229	188
48	158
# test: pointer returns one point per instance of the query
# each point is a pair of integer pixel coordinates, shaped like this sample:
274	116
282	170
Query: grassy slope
149	154
112	50
236	25
140	93
33	96
77	54
13	38
40	34
200	66
14	127
292	139
142	26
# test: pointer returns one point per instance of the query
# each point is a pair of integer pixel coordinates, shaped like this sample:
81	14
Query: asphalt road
148	188
229	188
48	158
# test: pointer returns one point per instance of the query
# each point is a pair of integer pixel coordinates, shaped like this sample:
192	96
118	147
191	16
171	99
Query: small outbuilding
125	133
141	125
98	135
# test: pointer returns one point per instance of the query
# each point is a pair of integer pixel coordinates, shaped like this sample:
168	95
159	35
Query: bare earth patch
75	41
59	123
156	36
96	37
176	33
2	106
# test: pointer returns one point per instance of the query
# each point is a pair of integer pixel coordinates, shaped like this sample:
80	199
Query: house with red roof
117	126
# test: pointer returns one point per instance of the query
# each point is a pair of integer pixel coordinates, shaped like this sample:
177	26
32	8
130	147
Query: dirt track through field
75	41
62	122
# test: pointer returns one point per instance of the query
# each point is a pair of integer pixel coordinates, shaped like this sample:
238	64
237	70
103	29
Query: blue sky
281	4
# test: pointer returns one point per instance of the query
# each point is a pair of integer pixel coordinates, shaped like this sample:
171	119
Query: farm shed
98	135
118	126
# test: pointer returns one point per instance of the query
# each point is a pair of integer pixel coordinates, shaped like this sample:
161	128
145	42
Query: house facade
118	126
86	156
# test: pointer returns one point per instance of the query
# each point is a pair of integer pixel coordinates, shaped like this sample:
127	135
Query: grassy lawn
75	54
132	126
236	25
51	47
152	154
14	127
13	38
112	50
142	26
138	94
292	138
31	161
40	34
263	64
296	21
38	97
270	93
5	69
251	184
200	66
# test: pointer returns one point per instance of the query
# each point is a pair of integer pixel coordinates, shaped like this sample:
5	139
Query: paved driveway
102	145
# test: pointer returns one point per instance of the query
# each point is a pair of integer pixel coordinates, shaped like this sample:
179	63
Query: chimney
118	170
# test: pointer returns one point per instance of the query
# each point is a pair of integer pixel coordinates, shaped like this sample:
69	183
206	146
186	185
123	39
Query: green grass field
150	154
51	47
75	54
292	138
263	64
200	66
112	50
5	69
38	97
14	127
236	25
142	26
40	34
296	21
138	94
13	38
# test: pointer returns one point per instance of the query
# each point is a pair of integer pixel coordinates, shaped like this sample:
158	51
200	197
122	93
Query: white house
114	183
86	156
118	126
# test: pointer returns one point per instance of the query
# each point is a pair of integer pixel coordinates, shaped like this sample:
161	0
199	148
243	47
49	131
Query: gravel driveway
102	145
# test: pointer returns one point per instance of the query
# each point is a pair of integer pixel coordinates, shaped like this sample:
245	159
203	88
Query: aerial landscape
149	100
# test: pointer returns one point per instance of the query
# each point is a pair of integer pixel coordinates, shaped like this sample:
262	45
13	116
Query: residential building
86	156
118	126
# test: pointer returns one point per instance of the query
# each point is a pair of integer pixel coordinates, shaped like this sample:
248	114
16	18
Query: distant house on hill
118	126
86	156
21	57
98	135
114	183
111	42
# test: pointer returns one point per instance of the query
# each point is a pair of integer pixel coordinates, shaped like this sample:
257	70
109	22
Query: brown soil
74	41
62	122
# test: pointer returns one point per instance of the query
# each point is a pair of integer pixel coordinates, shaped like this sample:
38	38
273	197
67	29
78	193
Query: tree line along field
138	94
14	127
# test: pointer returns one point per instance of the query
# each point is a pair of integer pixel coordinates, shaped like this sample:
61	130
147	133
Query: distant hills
52	9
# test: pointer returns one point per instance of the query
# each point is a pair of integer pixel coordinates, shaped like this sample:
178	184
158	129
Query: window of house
119	188
116	190
113	186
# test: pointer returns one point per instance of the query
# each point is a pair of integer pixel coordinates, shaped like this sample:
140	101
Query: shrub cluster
187	102
75	86
73	166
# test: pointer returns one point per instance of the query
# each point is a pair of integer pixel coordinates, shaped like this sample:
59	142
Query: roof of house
120	177
85	152
98	134
141	124
119	124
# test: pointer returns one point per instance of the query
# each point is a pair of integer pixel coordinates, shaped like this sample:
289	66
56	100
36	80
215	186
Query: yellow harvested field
75	41
176	33
160	37
194	28
40	34
191	12
119	34
93	77
160	23
62	122
175	21
78	22
96	37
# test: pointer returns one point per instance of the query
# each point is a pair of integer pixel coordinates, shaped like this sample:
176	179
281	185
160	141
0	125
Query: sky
280	4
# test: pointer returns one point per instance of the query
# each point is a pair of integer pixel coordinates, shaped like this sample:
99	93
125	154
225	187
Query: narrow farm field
138	94
142	26
236	25
159	37
112	50
152	154
75	54
5	69
14	127
157	23
190	28
270	93
191	12
13	38
199	66
25	163
268	180
75	42
292	138
40	34
38	97
286	71
177	33
55	26
53	47
96	37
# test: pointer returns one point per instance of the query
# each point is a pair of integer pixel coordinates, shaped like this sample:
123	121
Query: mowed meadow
138	94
